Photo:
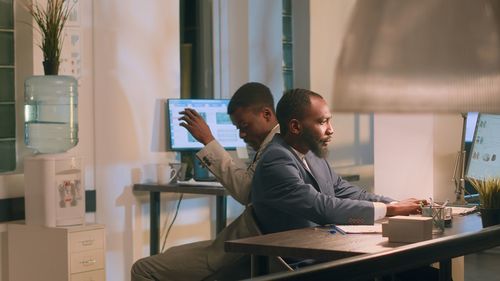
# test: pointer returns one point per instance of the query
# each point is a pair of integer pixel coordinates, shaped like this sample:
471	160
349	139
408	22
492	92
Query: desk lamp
421	56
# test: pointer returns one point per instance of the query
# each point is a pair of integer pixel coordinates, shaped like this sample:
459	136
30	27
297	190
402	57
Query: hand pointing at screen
194	123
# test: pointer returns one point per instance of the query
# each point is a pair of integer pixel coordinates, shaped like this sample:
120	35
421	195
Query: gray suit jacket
285	195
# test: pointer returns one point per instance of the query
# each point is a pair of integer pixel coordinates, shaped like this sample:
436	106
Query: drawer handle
88	262
87	242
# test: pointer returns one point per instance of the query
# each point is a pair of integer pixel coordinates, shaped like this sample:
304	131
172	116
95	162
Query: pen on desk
327	228
337	229
445	203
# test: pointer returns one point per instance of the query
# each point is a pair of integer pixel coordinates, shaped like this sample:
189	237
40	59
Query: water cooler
54	190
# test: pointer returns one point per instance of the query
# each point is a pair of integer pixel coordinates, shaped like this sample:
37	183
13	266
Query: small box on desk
407	229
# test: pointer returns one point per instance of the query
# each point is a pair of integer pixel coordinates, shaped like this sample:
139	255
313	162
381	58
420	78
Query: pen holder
438	217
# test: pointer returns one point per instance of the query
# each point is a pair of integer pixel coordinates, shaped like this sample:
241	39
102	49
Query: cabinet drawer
86	240
97	275
87	261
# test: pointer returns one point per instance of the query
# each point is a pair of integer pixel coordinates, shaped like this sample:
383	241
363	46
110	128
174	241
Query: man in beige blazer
252	111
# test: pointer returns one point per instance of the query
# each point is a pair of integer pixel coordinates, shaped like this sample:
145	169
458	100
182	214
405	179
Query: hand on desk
195	124
410	206
415	200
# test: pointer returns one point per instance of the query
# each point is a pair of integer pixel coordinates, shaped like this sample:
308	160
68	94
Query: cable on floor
171	223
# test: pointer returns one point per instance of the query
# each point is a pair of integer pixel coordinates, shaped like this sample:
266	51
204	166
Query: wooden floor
483	266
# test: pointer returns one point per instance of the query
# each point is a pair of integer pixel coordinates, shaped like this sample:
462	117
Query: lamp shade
420	56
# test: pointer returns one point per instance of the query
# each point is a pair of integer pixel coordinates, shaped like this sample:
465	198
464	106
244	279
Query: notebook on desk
360	229
193	182
463	210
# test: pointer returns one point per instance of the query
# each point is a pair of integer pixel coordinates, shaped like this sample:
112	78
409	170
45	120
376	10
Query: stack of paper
376	228
192	182
463	210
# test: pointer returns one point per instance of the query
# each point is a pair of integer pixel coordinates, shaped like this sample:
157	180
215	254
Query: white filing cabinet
75	253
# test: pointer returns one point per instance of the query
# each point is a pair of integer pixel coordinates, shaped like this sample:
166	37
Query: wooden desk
319	243
155	204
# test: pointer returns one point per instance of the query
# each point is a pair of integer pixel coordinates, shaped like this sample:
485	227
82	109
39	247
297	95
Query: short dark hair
293	105
252	94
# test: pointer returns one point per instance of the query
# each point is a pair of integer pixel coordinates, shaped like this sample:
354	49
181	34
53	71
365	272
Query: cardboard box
407	229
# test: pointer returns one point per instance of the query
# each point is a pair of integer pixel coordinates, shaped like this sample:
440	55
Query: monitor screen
483	159
214	112
470	126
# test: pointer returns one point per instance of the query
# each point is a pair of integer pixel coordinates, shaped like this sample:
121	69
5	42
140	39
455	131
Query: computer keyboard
193	182
204	179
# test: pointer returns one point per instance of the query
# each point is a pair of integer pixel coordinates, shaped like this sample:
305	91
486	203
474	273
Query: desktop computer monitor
214	112
484	156
470	126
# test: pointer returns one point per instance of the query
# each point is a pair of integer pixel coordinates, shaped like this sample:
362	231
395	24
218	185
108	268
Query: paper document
463	210
376	228
192	182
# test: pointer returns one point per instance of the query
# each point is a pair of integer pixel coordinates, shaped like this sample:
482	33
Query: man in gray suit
294	186
252	111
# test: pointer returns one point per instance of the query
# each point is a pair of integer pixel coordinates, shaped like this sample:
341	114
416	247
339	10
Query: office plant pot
490	217
51	67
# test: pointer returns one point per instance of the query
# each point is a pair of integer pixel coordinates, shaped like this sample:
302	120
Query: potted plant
489	199
47	130
50	19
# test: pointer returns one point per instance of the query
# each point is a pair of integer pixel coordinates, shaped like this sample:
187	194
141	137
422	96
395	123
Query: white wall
415	154
352	149
136	56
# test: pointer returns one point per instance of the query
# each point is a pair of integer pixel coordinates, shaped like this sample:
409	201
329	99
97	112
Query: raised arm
234	176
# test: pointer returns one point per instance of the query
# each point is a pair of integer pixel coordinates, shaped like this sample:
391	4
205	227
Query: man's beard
315	145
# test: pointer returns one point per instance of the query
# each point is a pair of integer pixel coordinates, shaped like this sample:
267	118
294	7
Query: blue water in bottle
51	113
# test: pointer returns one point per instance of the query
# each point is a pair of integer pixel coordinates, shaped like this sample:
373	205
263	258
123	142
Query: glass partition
7	88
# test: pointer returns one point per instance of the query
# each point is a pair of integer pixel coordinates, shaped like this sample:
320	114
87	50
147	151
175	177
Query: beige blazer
207	260
237	179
